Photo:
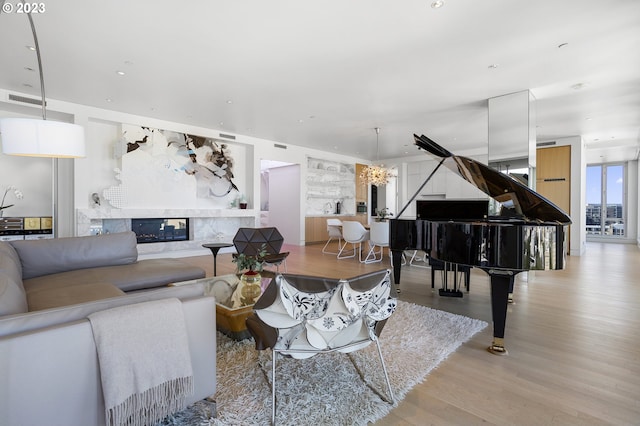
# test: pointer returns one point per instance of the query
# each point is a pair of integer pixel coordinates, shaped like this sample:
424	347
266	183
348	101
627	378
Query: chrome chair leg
273	387
384	370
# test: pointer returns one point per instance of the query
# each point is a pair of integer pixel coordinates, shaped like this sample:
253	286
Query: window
605	200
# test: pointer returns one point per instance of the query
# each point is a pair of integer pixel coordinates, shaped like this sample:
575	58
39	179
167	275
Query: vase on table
250	289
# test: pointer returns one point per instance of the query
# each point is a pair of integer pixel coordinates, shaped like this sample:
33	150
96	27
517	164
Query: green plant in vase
250	279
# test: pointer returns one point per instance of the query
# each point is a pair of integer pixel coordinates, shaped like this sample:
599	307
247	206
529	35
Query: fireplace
156	230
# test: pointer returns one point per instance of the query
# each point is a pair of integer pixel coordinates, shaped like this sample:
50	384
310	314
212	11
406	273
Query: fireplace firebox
156	230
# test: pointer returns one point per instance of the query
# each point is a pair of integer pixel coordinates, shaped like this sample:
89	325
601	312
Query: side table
215	248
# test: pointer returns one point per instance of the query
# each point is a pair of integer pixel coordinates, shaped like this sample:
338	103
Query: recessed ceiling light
587	119
109	100
222	123
300	121
32	48
561	45
437	4
29	69
493	66
120	72
229	101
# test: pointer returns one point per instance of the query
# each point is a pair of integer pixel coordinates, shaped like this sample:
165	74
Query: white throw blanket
145	364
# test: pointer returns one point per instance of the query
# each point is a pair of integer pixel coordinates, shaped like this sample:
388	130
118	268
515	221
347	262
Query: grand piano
526	231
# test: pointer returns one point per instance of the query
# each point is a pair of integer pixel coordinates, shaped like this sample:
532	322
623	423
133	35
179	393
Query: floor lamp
42	138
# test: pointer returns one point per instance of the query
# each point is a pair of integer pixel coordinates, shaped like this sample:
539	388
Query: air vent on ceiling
223	135
546	143
25	100
277	145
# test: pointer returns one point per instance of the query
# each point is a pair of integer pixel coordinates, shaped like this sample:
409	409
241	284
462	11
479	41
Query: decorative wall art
162	168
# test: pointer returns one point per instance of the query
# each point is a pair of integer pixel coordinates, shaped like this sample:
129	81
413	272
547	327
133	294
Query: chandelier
376	175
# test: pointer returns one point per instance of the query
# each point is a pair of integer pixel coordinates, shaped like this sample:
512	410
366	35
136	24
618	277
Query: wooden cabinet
316	226
553	180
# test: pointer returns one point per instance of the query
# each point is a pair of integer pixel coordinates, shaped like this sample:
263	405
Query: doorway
280	198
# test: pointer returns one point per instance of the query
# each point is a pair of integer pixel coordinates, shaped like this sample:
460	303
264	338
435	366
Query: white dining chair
378	240
355	234
334	230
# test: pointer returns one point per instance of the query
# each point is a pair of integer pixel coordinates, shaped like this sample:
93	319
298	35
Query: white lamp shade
41	138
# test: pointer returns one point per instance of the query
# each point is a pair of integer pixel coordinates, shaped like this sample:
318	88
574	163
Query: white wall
82	177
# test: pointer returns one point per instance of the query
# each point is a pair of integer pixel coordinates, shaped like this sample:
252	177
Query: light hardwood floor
573	338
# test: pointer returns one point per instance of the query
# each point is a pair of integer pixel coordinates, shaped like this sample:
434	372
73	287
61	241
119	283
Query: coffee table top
224	287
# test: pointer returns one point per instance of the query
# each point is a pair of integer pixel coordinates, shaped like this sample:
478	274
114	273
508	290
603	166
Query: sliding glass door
606	188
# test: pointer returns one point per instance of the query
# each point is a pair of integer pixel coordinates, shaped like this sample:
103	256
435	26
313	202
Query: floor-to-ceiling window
605	200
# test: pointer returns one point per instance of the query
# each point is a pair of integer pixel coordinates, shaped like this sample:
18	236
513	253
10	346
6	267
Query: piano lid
499	186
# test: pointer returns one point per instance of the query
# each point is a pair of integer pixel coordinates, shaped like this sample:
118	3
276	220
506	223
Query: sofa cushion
10	261
29	321
71	295
12	297
143	274
43	257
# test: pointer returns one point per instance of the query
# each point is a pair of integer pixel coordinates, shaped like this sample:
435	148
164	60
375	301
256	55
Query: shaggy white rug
328	389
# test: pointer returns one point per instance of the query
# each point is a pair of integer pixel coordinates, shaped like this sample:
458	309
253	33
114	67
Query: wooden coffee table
231	313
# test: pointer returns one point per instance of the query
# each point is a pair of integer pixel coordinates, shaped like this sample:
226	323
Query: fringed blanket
145	363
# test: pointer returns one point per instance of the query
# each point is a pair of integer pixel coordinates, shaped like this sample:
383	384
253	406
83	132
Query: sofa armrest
52	376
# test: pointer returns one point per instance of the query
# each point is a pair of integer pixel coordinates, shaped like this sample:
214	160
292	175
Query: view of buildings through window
605	200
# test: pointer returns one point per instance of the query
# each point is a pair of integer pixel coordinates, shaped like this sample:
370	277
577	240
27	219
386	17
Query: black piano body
527	234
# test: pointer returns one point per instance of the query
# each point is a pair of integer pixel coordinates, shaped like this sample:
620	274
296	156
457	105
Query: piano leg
501	286
396	261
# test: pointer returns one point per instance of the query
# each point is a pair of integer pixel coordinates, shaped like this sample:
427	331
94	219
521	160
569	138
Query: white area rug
327	388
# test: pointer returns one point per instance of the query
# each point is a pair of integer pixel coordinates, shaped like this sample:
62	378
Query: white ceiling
324	74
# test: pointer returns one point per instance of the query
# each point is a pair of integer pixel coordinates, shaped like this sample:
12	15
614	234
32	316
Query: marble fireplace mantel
206	225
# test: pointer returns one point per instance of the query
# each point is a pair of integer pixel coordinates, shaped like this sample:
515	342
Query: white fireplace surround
205	226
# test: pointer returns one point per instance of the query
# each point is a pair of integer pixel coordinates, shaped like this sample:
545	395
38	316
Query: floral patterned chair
301	316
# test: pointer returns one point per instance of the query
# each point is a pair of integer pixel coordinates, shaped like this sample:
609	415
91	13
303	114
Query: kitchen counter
316	225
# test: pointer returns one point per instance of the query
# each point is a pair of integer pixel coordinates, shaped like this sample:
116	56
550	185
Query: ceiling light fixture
41	138
376	175
437	4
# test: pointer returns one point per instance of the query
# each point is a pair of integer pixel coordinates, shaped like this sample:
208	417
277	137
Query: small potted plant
242	201
383	214
251	279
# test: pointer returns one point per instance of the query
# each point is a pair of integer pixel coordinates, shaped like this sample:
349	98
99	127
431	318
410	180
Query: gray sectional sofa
48	360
